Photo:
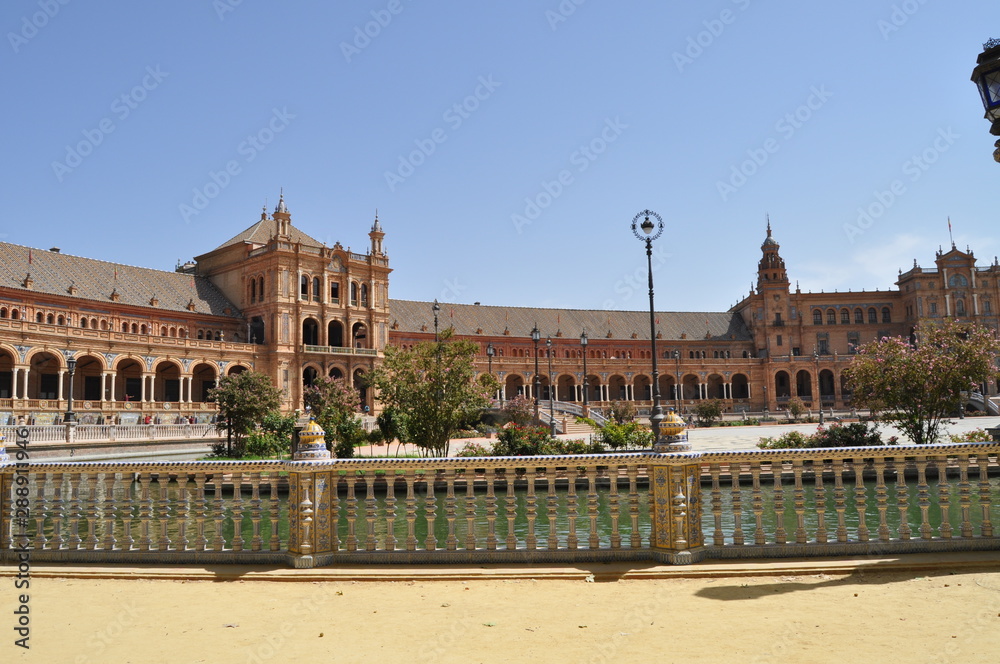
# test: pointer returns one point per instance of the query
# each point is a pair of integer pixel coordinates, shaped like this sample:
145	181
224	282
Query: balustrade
635	506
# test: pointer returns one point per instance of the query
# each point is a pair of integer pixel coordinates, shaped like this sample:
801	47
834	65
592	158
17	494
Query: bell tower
771	272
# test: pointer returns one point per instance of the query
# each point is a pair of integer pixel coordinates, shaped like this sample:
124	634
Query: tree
708	411
334	406
622	411
915	387
244	400
630	435
435	388
796	408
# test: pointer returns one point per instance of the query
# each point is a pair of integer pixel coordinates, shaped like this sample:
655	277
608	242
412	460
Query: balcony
339	350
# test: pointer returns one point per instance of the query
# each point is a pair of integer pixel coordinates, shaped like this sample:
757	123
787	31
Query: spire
281	202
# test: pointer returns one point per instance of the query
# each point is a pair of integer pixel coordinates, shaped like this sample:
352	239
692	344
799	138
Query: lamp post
535	336
986	76
586	387
436	309
677	384
552	412
819	387
648	235
70	416
490	352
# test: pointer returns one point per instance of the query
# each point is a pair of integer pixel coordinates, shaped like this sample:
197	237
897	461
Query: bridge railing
670	508
112	432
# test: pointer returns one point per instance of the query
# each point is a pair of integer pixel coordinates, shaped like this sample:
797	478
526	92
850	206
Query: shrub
788	440
517	440
625	436
979	435
476	450
855	434
708	411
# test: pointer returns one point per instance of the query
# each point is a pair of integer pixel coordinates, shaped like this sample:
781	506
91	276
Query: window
933	308
824	346
845	316
316	291
304	288
853	341
831	317
796	351
958	281
986	306
817	317
39	317
354	294
364	295
253	291
886	316
83	322
779	340
334	292
872	315
260	289
859	316
960	307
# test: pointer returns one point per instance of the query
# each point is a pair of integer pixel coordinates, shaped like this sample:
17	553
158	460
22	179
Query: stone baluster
594	538
145	511
944	497
411	512
614	507
58	510
75	511
572	507
127	516
218	512
491	510
778	493
635	538
163	491
840	499
819	500
92	482
370	503
551	505
352	513
902	498
256	540
470	508
736	499
882	500
718	536
860	498
183	511
109	512
965	495
924	499
531	510
757	504
510	476
986	526
451	542
274	510
237	512
390	512
200	512
430	509
799	502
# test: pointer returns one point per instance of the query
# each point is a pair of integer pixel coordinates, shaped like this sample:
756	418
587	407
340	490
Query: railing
672	508
111	432
339	350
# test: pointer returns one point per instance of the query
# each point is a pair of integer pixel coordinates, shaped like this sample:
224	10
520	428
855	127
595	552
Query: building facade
150	343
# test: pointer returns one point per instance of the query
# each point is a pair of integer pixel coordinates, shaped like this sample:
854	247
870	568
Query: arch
690	388
253	291
3	312
354	293
166	381
740	386
782	385
39	317
826	392
88	379
260	289
817	317
83	321
125	327
668	388
335	334
6	375
61	320
566	387
50	319
128	380
716	387
364	295
359	335
43	377
336	373
642	388
143	329
513	386
237	369
616	388
309	375
310	332
359	380
204	376
15	314
803	383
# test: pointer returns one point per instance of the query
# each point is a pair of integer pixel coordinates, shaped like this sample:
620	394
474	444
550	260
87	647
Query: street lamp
552	412
490	352
436	308
583	342
986	76
819	387
648	235
70	416
677	384
535	336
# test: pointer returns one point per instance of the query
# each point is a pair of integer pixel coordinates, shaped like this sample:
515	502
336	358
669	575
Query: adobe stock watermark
454	116
714	27
913	169
223	7
562	12
580	160
786	127
636	281
364	34
30	25
249	148
453	289
900	16
121	108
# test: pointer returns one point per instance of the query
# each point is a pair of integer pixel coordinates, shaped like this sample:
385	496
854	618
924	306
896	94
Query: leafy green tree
273	437
334	405
392	426
796	408
434	386
518	410
630	435
915	387
244	400
621	412
707	411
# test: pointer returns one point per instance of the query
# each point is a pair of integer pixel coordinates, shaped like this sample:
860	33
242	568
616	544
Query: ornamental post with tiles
310	535
676	501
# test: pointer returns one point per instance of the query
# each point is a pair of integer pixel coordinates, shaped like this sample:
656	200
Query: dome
769	241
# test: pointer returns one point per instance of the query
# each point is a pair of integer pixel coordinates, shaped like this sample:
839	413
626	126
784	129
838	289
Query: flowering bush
979	435
516	440
856	434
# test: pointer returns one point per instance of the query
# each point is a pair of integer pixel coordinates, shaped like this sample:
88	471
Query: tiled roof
54	273
467	319
263	230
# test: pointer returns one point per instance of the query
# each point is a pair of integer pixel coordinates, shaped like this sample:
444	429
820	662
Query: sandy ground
872	616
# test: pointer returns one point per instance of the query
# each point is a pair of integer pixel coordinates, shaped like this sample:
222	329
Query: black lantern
986	76
70	416
583	343
536	386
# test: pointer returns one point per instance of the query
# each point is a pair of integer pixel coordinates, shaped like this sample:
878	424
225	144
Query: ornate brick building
273	299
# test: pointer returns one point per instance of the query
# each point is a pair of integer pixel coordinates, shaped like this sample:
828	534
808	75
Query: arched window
831	317
39	317
317	293
859	316
364	295
260	289
959	307
83	322
354	294
124	327
817	317
143	329
886	316
304	287
872	315
3	312
253	291
845	316
163	331
201	334
104	324
50	319
958	281
61	320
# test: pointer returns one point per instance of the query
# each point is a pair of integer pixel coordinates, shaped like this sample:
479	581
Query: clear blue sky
118	112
